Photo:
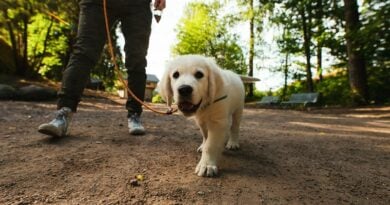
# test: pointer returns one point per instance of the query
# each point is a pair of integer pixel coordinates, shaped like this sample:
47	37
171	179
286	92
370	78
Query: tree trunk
319	16
251	48
39	62
21	49
14	45
356	64
319	61
24	67
285	76
306	26
285	70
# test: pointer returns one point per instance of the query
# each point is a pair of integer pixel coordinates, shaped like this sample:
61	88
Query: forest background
36	38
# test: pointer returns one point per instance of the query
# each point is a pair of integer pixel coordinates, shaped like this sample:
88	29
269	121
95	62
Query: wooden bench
268	100
304	99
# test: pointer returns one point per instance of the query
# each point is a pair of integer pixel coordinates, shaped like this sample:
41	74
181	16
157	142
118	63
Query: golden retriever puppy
214	97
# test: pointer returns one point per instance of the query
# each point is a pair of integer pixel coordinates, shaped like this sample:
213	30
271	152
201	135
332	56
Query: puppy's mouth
187	107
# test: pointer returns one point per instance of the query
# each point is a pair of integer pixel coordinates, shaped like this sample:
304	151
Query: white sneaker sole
51	130
137	131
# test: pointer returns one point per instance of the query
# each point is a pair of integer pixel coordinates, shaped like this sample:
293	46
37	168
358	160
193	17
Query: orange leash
57	17
113	59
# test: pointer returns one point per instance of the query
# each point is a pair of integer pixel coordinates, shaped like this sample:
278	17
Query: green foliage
40	33
105	70
328	27
295	87
14	21
48	46
33	42
378	84
204	31
257	95
39	42
157	99
376	35
335	90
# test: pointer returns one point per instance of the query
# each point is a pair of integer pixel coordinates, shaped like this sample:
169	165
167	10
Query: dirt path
286	157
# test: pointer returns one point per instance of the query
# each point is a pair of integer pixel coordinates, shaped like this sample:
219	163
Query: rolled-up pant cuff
72	104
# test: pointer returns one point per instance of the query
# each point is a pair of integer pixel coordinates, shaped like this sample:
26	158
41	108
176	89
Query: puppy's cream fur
219	95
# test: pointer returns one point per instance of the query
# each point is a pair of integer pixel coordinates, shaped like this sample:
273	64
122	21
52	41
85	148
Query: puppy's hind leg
232	143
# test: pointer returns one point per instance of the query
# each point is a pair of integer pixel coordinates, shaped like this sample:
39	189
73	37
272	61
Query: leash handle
116	68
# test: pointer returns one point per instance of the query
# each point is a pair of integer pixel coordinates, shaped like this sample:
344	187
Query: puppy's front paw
232	145
206	169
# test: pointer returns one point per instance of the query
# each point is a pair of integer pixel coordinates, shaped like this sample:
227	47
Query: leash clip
170	111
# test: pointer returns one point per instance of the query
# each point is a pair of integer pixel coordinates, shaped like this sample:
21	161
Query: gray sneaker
135	126
59	126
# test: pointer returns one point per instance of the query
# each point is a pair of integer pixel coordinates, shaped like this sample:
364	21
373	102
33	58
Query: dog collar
221	98
215	101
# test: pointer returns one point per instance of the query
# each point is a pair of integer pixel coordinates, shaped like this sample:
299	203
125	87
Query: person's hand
159	5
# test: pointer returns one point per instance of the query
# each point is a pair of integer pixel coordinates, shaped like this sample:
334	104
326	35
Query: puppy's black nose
185	90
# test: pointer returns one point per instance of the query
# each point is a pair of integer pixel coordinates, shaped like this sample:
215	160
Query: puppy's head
191	81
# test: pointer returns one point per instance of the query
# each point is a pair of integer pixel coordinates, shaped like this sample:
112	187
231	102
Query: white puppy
215	97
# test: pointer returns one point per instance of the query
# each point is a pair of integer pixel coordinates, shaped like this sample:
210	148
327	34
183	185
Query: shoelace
135	118
61	113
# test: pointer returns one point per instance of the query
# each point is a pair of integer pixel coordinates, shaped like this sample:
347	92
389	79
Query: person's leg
90	40
136	28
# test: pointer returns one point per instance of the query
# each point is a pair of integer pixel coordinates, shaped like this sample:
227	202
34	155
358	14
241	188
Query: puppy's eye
199	75
176	75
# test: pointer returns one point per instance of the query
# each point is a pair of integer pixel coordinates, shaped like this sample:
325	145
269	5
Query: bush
335	90
295	87
157	99
257	95
379	86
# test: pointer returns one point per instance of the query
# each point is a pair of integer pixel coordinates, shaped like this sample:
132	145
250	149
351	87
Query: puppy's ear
215	80
165	88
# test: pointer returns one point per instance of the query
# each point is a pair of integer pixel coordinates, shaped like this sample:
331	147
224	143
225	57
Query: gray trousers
135	17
